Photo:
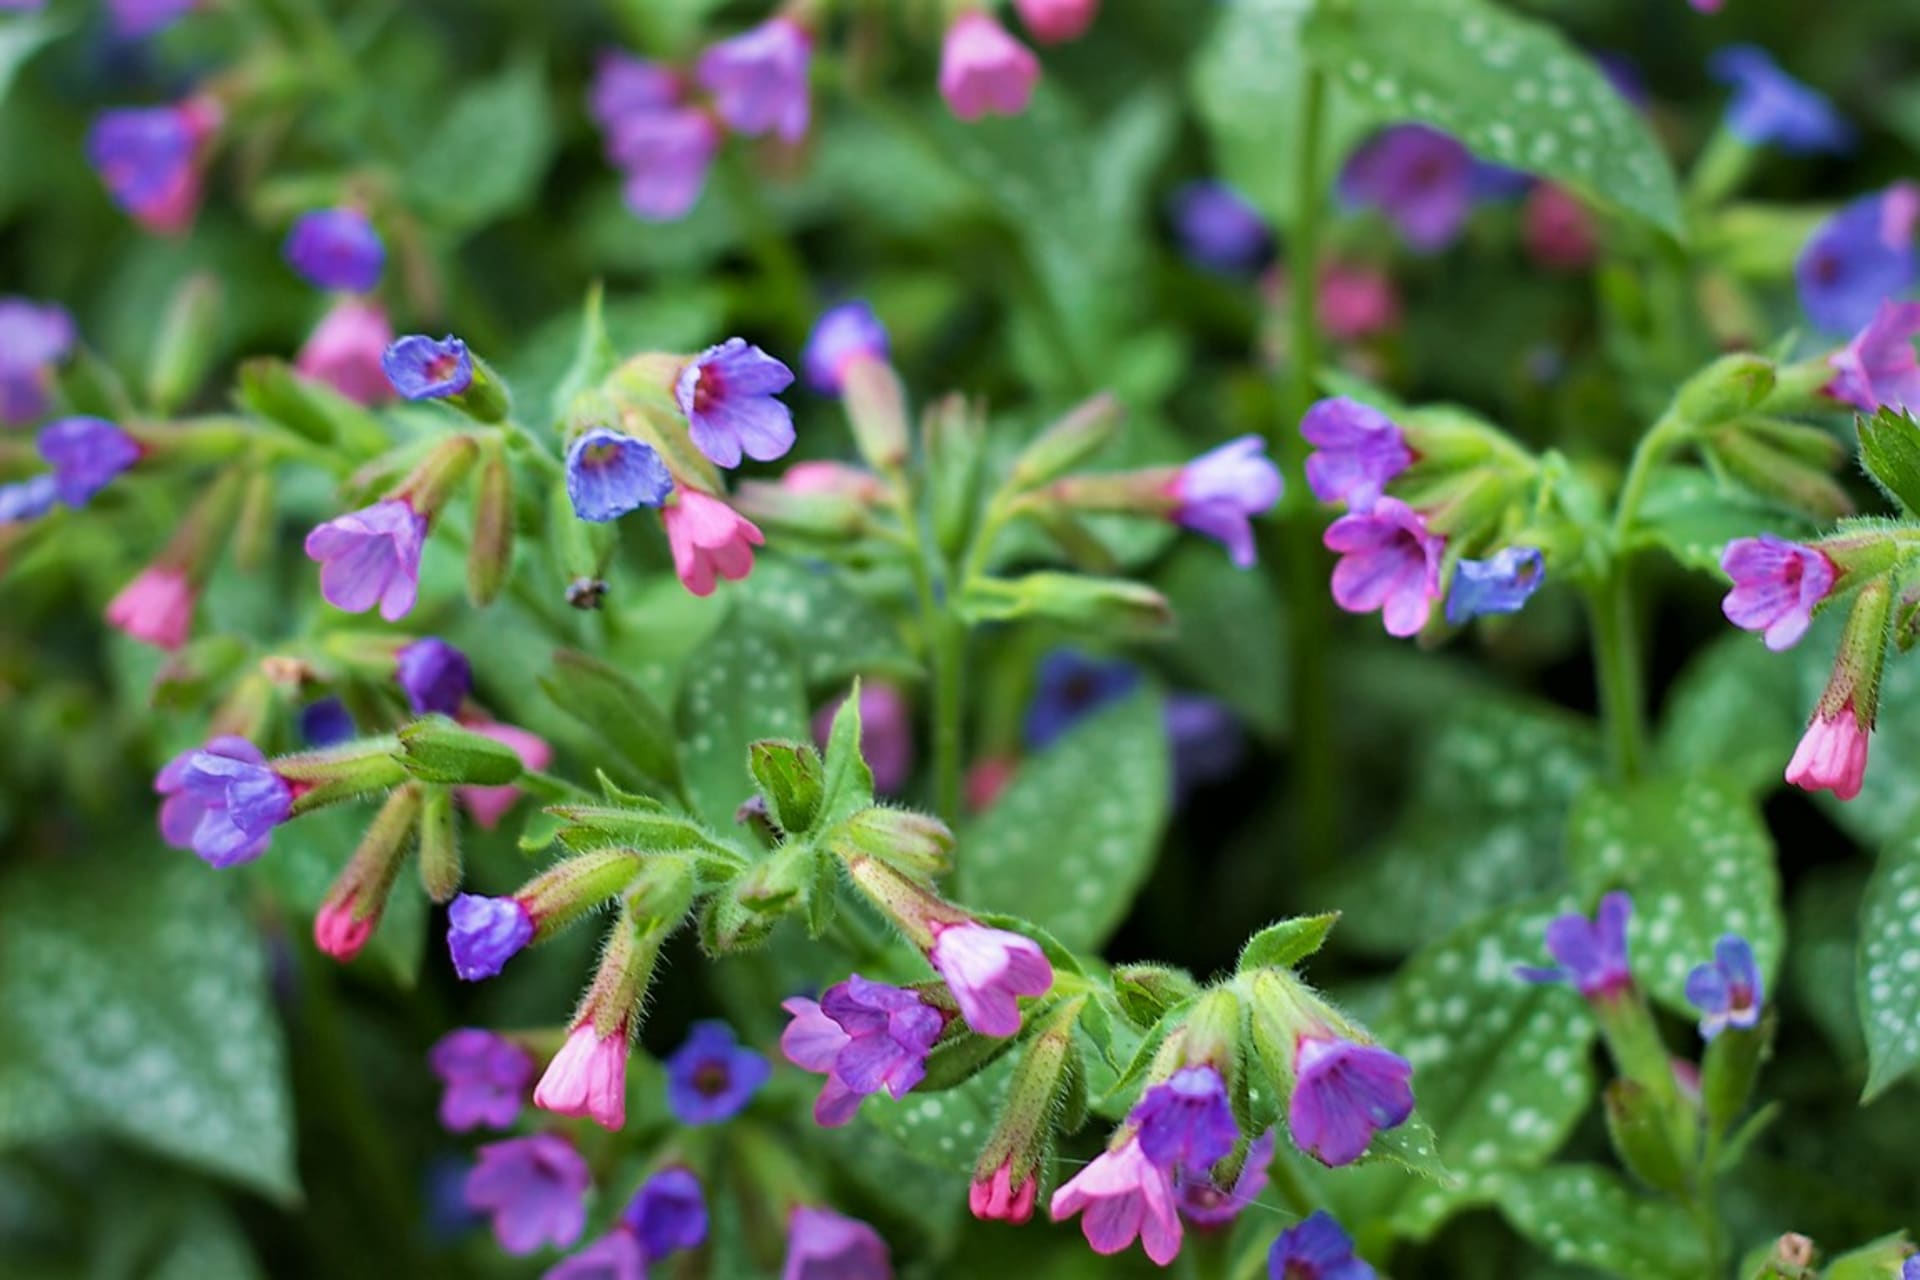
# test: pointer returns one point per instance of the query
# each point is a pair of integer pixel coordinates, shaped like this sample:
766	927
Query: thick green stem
949	649
1616	666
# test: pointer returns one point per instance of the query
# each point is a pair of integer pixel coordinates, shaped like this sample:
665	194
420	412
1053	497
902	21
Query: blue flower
336	249
28	499
1727	992
326	722
610	474
1205	738
713	1076
1316	1249
1218	229
1186	1122
435	676
1072	686
484	933
421	368
1501	585
1858	258
668	1213
842	334
85	454
1771	107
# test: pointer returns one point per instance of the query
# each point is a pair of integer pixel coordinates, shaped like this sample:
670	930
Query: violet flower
610	474
1218	229
664	156
435	676
1389	561
1205	1203
34	337
886	732
824	1245
1879	368
758	79
1501	584
1859	258
371	557
842	334
1316	1249
1343	1094
535	1189
85	454
484	933
1420	178
336	249
727	393
486	1077
1728	991
1776	586
1185	1121
1770	107
1222	489
222	801
712	1076
1069	687
864	1037
1357	451
1592	954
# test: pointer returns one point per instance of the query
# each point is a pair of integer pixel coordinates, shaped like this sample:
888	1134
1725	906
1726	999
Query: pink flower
1557	229
588	1077
834	480
156	608
709	539
1388	561
1056	21
338	934
1356	302
1776	585
344	350
1878	368
1124	1196
984	70
995	1196
490	804
987	970
1832	756
986	779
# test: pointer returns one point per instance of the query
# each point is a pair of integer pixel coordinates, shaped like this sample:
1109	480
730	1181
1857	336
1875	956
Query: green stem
1707	1223
949	644
1285	1179
1616	664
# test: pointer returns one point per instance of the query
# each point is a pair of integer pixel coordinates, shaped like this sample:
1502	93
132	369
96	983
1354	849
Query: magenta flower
1776	585
1186	1121
1388	561
1124	1195
33	339
86	454
423	368
486	1077
371	556
1879	368
1057	21
133	19
624	86
984	70
1832	755
487	805
588	1077
614	1256
344	351
824	1245
1316	1249
1221	490
664	156
1420	178
1205	1203
1592	954
988	970
712	1076
840	336
340	931
727	393
758	79
535	1188
1357	451
994	1198
150	157
886	732
709	539
484	933
864	1037
1343	1094
1356	302
156	608
222	801
435	676
336	249
1727	991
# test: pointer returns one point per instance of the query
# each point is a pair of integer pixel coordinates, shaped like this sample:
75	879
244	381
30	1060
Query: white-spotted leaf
1586	1215
1888	978
744	686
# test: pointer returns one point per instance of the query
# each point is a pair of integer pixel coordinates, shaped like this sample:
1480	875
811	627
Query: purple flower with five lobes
588	1077
435	676
988	970
222	801
625	86
983	70
841	335
1859	258
824	1245
326	723
1185	1121
712	1076
1124	1195
1776	586
1502	584
484	933
1205	1203
149	159
1832	755
336	249
1389	561
1771	107
610	474
371	557
423	368
486	1076
727	393
1071	686
1357	451
1344	1093
1420	178
133	19
864	1037
758	79
28	499
1592	954
1316	1249
1218	229
85	454
1728	991
664	156
886	732
535	1188
1222	489
33	339
1879	368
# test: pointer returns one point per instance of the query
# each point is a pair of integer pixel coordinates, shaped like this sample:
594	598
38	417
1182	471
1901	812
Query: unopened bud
435	749
184	343
826	517
574	886
1147	991
1729	387
486	398
490	556
444	469
253	535
790	776
1069	442
916	843
952	438
876	406
341	773
1778	475
439	844
1006	1177
1642	1127
916	909
1106	605
353	906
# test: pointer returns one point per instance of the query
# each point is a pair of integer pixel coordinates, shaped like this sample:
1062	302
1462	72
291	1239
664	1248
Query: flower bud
184	343
490	556
1006	1177
916	843
435	749
253	533
439	844
916	909
1833	753
1147	991
953	439
1727	388
825	517
352	908
333	774
876	407
1778	474
1643	1136
1069	442
1108	606
444	469
574	886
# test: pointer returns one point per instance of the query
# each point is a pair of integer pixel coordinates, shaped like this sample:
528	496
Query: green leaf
133	994
23	36
745	688
487	156
1735	707
847	786
1514	90
1692	517
602	698
836	631
1888	978
1231	637
1699	863
945	1129
1069	842
1585	1214
1285	943
789	776
1890	450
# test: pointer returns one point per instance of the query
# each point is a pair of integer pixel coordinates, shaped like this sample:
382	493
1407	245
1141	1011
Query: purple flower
1388	561
484	933
614	1256
1420	178
1205	1204
1218	229
668	1213
1879	367
535	1188
664	155
369	557
983	70
864	1037
1070	687
841	335
28	499
149	159
712	1076
727	393
222	801
1776	585
1205	739
1859	258
1503	584
486	1077
435	676
326	722
1124	1195
624	86
133	19
1344	1093
758	79
1592	953
422	368
1771	107
1357	451
1186	1121
1910	1269
33	338
886	732
1316	1249
1220	491
610	473
336	249
824	1245
85	454
1727	992
987	970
